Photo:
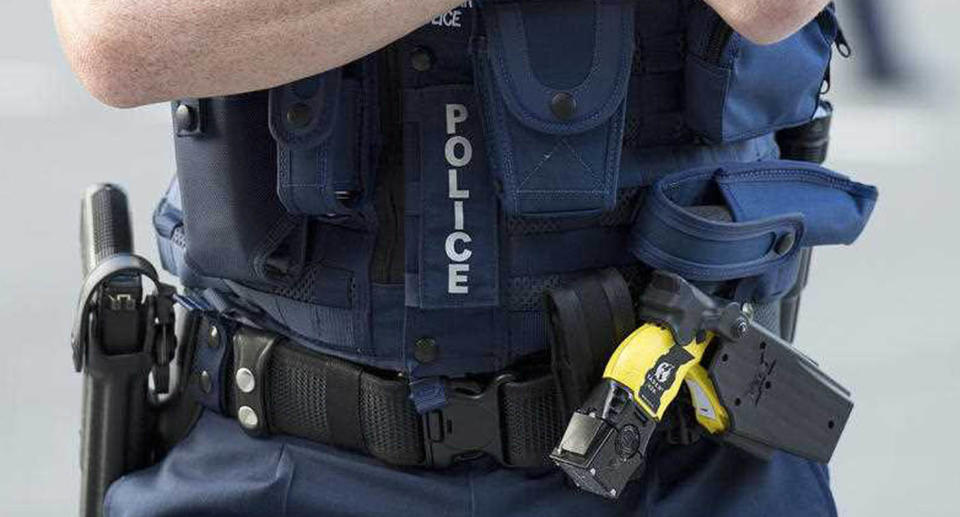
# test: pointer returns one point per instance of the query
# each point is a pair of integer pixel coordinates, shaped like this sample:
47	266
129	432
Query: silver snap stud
248	417
245	380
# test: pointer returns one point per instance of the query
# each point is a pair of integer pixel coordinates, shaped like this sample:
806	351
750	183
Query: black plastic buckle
468	426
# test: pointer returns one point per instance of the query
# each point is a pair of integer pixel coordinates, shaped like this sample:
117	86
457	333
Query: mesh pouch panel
525	293
391	425
532	420
297	394
307	287
622	214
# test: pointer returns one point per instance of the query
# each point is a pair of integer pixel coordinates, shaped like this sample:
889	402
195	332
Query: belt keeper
251	352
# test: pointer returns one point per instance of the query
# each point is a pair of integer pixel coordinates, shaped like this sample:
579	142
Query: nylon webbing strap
332	401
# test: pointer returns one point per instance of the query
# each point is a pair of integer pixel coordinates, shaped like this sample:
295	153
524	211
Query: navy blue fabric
742	89
220	471
451	206
777	207
547	165
212	359
234	223
328	158
342	326
452	238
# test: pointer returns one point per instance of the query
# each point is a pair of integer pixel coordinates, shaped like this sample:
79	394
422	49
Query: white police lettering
458	152
454	17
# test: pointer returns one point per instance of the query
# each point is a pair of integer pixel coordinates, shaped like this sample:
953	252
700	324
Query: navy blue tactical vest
408	210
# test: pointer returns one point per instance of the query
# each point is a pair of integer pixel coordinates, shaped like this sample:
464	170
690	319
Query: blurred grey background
880	316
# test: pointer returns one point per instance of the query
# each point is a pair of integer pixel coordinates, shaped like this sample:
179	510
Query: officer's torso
408	210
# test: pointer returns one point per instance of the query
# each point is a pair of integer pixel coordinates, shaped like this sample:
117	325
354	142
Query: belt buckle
468	425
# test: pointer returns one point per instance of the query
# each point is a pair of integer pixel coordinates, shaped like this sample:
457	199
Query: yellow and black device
748	387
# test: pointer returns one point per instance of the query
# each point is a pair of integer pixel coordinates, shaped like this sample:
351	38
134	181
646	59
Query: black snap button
299	115
421	59
186	121
425	350
563	105
785	243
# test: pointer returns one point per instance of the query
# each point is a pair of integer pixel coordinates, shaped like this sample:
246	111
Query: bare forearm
767	21
133	52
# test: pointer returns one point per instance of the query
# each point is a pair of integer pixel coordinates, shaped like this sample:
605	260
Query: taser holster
749	387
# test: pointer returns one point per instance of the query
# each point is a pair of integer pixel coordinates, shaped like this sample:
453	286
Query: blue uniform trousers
220	471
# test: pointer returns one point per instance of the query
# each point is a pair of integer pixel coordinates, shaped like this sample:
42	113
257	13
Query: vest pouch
777	208
736	89
234	226
553	78
324	144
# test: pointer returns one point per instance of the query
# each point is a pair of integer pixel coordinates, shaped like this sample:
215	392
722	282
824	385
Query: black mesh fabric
391	425
532	420
309	286
300	386
768	316
297	393
525	293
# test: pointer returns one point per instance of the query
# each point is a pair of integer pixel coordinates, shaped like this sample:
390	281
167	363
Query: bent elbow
110	62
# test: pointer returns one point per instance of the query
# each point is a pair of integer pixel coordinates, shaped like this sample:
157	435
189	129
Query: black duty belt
278	387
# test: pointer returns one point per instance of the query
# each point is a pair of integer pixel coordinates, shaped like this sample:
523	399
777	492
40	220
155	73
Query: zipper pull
841	41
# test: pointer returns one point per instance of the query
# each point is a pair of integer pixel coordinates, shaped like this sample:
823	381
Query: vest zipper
387	264
719	37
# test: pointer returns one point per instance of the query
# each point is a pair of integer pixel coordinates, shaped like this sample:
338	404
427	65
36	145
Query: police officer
373	195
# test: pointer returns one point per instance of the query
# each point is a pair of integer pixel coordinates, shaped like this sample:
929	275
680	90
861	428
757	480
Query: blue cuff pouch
553	85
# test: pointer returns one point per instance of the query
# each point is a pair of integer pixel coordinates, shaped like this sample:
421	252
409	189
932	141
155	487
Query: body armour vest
408	210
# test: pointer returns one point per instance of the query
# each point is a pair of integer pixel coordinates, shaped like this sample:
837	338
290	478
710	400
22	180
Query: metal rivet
246	382
248	417
785	243
213	340
425	350
740	328
748	310
421	59
185	119
206	383
563	105
299	115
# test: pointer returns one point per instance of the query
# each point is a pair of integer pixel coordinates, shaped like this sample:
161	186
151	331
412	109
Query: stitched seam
620	84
